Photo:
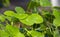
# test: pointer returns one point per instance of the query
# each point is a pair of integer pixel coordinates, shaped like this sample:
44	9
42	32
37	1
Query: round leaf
19	10
37	18
9	13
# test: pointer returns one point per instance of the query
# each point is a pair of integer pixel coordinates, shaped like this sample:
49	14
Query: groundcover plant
40	19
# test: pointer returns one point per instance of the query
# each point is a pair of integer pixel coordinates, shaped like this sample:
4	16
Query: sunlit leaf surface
34	18
57	17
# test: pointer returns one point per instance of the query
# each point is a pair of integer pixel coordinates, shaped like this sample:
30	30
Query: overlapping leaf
34	18
21	16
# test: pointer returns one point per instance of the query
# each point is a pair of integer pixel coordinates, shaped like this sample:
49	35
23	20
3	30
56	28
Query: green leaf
8	18
27	22
56	21
36	34
19	10
2	18
3	33
14	31
19	35
21	16
56	13
11	29
34	18
45	3
2	26
9	13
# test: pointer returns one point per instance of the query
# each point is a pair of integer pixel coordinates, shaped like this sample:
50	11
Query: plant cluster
39	20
